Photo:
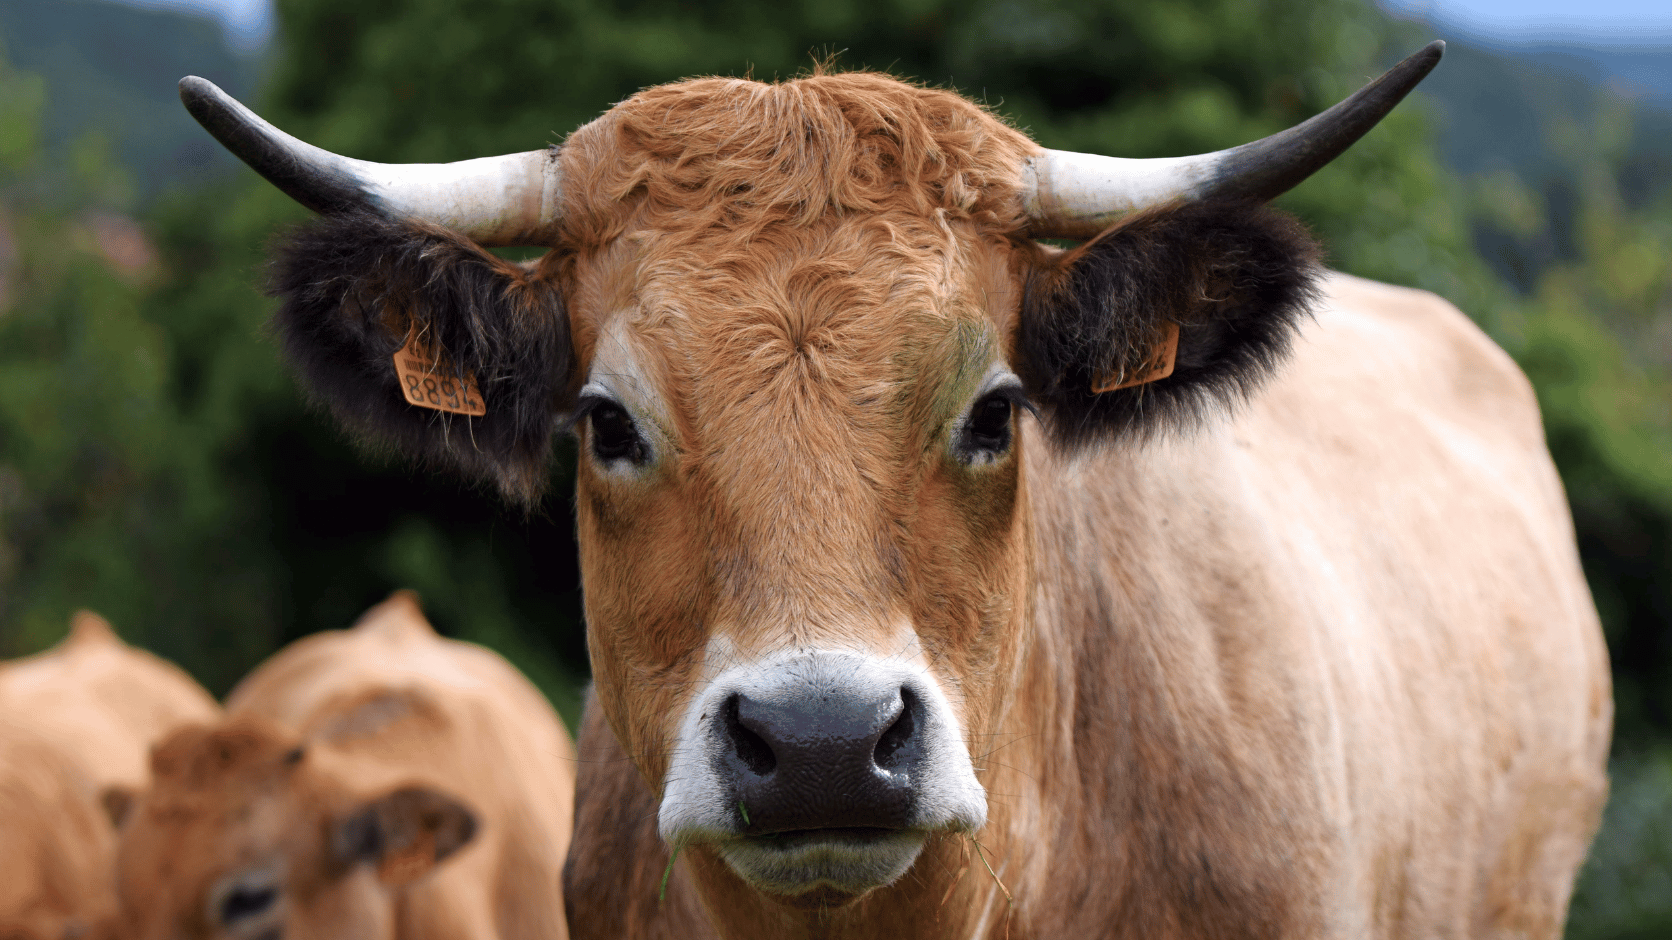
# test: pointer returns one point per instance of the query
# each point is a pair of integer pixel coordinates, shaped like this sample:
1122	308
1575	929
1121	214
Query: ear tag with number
1159	365
427	383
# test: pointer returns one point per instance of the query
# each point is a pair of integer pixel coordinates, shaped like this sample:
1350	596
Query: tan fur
383	706
104	701
1326	669
749	158
76	723
56	843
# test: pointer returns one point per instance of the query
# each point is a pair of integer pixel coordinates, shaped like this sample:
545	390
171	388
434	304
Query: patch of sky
248	23
1523	22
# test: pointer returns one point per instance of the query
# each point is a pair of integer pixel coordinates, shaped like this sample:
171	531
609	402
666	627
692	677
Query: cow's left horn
508	200
1077	195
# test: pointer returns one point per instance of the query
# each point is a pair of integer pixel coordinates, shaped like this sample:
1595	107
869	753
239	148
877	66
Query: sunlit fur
1143	675
815	304
1321	665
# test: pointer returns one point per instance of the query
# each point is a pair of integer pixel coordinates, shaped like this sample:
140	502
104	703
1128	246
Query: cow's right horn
507	200
1077	195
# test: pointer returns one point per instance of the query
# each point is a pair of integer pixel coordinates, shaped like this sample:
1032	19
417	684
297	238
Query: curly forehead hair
741	154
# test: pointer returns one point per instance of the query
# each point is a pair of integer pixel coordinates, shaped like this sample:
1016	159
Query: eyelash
621	440
618	439
977	441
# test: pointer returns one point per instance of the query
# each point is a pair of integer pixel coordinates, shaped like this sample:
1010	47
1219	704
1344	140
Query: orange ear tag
427	383
1159	365
407	863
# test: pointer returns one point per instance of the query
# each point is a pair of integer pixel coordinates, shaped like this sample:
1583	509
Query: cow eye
613	434
247	903
986	433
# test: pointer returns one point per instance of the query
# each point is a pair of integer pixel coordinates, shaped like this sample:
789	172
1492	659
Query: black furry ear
354	285
1235	279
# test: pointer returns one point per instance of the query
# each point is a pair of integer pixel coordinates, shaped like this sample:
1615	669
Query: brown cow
75	724
103	700
374	782
931	590
56	843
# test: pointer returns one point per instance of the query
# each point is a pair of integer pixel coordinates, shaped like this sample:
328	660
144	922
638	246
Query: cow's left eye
986	432
614	435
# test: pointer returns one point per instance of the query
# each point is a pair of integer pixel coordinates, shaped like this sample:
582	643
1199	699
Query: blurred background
158	465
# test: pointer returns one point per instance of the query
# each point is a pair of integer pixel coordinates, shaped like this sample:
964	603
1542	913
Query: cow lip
822	898
823	867
795	838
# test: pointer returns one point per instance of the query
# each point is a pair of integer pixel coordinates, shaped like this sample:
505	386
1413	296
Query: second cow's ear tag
428	382
1159	365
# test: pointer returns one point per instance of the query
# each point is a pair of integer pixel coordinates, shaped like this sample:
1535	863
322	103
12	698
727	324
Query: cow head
243	837
799	330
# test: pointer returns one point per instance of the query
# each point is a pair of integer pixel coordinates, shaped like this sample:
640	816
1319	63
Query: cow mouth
788	839
823	867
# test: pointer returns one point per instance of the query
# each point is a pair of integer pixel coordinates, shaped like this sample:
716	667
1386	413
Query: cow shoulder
1423	344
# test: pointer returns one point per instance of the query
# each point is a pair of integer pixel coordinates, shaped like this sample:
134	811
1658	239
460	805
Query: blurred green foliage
157	464
113	490
1623	893
1594	332
1593	329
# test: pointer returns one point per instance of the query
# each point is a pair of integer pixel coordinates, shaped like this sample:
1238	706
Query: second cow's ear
118	801
1167	313
405	834
484	344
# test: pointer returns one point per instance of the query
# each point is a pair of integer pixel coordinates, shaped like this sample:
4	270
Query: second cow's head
797	329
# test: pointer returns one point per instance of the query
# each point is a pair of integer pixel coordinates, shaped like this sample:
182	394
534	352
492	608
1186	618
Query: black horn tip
207	105
1265	169
315	178
1416	66
194	89
200	96
191	87
1372	102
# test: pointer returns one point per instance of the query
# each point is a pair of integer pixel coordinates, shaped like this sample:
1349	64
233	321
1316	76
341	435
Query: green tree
109	495
1594	331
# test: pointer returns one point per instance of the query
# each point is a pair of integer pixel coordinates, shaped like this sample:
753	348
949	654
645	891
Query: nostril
896	748
750	747
243	903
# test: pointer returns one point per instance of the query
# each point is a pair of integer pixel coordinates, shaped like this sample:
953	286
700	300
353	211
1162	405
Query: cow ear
405	833
118	802
490	335
1160	318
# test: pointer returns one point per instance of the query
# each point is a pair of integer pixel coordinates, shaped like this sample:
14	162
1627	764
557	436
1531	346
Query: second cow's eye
986	433
614	436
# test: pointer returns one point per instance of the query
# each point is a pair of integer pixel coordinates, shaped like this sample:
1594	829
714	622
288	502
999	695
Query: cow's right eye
613	434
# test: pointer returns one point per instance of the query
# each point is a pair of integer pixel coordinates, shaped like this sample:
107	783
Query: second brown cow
379	782
76	722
